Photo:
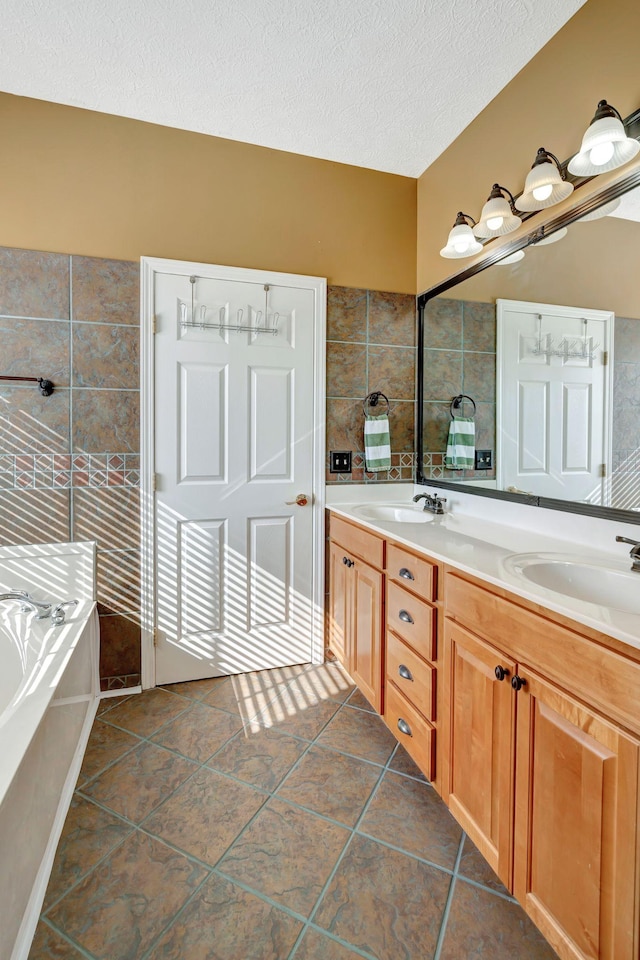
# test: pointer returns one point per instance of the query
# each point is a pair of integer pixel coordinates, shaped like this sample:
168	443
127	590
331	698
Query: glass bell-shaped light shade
512	258
601	212
605	145
461	241
496	219
544	185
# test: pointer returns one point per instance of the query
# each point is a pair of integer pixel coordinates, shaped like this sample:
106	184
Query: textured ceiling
385	84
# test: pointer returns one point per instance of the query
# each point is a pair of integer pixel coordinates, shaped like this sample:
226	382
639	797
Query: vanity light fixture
602	211
605	145
498	215
545	184
461	241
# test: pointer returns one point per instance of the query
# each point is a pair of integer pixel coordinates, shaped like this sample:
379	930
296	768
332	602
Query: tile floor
266	817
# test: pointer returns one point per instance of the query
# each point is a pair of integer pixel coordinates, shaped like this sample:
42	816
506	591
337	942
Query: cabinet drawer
415	734
360	542
415	678
414	573
412	620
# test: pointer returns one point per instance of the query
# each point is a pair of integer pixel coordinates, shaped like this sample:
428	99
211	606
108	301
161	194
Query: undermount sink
607	584
394	512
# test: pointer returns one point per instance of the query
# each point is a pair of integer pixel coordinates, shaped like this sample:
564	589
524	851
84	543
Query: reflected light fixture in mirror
461	241
601	212
498	215
552	238
605	145
512	258
545	184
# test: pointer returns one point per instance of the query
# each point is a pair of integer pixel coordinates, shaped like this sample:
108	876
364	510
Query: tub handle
57	614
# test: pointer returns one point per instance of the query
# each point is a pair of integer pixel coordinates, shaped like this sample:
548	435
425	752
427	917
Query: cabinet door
366	639
339	608
479	737
576	841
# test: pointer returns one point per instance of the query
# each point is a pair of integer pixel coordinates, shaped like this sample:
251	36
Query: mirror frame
590	193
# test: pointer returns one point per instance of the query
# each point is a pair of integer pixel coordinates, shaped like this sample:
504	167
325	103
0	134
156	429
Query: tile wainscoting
69	463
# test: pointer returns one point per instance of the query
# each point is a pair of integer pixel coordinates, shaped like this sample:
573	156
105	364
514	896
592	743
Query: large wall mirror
547	349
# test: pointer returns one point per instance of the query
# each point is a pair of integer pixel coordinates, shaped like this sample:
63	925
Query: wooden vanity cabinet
544	781
411	653
356	603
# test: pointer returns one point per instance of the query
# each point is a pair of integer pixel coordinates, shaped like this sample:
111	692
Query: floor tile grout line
447	907
65	936
344	943
156	940
407	853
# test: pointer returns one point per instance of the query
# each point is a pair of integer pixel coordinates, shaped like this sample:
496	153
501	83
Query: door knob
300	501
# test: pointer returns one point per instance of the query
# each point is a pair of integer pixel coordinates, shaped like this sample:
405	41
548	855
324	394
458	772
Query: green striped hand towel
461	444
377	443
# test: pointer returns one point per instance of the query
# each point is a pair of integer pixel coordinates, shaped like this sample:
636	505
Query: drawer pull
404	672
406	574
405	616
404	727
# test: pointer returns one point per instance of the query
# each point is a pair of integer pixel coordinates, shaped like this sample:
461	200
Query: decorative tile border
120	683
402	468
52	471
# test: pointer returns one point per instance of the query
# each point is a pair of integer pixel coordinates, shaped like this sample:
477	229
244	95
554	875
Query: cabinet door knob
404	727
501	673
345	560
405	616
518	682
404	672
406	574
351	563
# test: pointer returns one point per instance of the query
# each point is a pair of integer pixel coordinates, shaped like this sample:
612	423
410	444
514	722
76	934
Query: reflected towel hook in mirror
457	402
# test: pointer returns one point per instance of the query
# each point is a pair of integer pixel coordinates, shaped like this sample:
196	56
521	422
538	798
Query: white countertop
483	548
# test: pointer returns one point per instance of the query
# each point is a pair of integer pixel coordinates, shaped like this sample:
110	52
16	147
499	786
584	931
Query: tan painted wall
595	265
75	181
549	103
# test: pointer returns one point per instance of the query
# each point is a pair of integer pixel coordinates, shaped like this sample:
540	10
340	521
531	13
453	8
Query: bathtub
48	700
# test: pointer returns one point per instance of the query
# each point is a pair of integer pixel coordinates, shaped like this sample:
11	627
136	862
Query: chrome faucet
634	553
42	610
432	502
58	612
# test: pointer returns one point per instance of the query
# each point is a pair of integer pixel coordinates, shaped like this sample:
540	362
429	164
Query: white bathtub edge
31	915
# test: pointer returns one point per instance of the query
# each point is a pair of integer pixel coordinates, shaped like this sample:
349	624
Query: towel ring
372	399
457	402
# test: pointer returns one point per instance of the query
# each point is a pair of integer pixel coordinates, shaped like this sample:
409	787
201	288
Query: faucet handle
57	614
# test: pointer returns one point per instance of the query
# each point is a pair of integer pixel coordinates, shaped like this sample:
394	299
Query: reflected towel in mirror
461	444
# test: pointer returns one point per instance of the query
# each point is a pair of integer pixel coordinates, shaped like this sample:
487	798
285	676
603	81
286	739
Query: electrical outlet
484	459
340	461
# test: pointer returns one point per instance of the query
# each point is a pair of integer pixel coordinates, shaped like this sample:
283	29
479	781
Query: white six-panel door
237	436
552	419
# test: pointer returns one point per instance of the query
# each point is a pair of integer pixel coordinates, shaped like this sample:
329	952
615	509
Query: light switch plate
340	461
484	459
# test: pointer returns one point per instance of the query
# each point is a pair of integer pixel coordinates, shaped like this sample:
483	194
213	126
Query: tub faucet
42	610
634	553
432	503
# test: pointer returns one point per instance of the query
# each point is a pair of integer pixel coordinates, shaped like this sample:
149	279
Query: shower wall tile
110	515
392	318
105	420
392	370
35	348
107	291
105	355
31	423
346	314
34	284
119	583
55	486
371	347
34	516
346	369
